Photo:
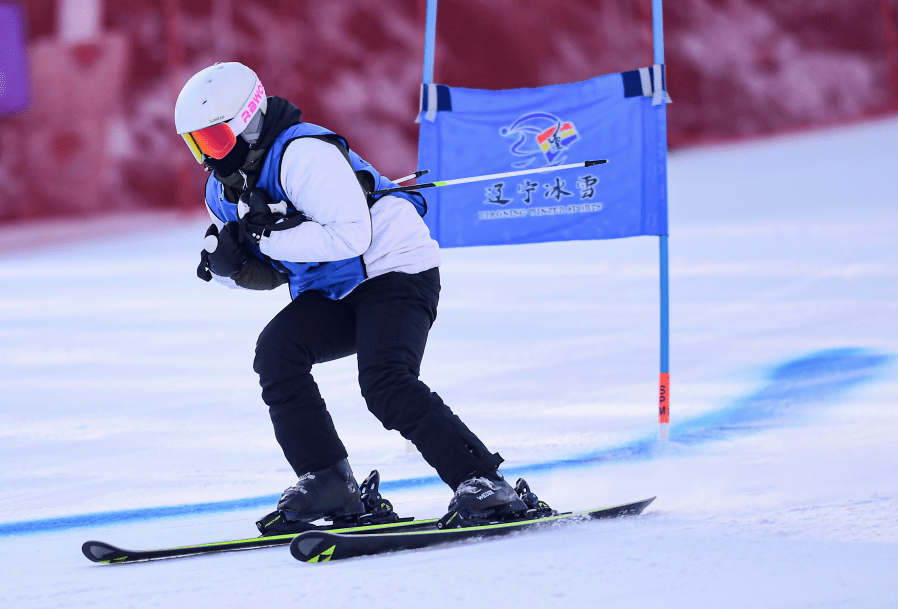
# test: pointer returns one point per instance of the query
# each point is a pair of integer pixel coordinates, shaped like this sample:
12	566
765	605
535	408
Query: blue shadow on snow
795	389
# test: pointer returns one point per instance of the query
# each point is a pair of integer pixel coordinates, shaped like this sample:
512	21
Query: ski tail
101	552
104	553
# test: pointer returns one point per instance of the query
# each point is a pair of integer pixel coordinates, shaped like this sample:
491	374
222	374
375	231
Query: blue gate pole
664	376
430	37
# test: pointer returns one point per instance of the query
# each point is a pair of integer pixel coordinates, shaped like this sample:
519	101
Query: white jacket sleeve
322	185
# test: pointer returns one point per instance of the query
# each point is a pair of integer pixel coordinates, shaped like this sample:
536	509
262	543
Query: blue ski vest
333	279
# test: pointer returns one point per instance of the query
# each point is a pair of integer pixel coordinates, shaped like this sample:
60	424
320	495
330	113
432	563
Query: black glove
257	219
228	254
202	271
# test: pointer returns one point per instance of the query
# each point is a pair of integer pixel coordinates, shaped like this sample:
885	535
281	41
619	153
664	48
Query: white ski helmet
216	105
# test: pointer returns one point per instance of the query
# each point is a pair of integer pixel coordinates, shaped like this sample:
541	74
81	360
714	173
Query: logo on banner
540	135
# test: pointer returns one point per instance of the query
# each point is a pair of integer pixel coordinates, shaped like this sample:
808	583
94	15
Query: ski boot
474	504
482	499
331	491
371	508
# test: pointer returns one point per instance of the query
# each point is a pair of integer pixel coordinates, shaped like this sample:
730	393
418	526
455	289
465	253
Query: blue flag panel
14	86
471	132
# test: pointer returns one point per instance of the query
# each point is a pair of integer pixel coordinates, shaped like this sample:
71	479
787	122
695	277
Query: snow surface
128	399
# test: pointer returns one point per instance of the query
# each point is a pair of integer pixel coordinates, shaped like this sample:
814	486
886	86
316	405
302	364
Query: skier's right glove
260	215
223	253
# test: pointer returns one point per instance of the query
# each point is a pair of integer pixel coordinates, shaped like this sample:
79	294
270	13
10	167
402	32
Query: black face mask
233	161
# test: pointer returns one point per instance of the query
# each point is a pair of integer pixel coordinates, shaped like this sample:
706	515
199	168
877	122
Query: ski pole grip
278	208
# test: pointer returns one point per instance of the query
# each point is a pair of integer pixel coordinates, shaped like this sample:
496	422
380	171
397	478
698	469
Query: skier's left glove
223	253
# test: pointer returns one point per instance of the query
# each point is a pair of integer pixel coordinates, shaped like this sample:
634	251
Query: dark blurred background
98	135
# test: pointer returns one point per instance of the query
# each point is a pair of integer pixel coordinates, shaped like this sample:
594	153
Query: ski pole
417	174
492	176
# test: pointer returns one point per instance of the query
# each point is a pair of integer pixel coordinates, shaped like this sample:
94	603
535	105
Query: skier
363	274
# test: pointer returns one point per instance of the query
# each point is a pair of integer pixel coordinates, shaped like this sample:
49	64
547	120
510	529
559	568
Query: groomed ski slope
127	397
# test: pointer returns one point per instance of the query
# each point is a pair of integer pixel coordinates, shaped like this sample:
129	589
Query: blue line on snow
794	390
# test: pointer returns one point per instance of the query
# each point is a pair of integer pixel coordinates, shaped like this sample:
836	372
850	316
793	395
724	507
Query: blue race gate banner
471	132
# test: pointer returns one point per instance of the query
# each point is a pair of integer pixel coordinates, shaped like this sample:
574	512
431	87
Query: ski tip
627	509
100	552
312	547
637	507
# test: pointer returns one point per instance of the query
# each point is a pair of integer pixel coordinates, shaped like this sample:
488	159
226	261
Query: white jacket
390	236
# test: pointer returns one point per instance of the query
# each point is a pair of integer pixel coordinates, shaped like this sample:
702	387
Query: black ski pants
385	322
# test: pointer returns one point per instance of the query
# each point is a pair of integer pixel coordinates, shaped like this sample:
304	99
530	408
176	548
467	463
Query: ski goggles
218	140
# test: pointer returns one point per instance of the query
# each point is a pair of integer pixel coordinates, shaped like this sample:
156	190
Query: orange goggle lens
215	141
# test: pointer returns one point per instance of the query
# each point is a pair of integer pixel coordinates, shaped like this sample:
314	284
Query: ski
276	531
105	553
325	546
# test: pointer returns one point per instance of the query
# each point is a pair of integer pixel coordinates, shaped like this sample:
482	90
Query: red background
100	135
